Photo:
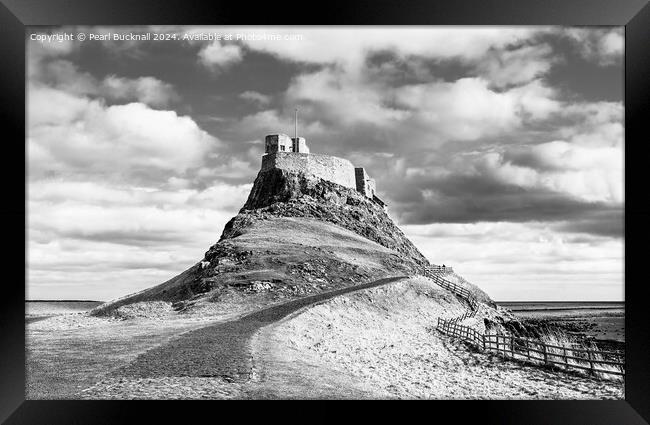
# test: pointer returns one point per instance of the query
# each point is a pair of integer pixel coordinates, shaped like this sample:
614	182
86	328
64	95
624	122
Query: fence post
512	347
544	350
566	362
483	338
591	363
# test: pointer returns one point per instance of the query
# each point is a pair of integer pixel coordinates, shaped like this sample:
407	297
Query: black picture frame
15	15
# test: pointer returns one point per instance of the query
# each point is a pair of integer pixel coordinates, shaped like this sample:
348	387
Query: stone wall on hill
330	168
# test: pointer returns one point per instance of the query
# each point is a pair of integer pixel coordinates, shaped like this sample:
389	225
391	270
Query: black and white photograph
310	212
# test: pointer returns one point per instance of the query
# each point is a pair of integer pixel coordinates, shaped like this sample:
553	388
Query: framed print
358	201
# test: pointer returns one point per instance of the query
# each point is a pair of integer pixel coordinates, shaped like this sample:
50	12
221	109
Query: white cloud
147	90
220	56
271	121
565	156
511	67
235	168
80	134
536	100
604	46
595	124
138	236
417	114
256	97
39	52
511	260
463	110
349	45
612	44
341	97
73	208
65	76
593	174
430	112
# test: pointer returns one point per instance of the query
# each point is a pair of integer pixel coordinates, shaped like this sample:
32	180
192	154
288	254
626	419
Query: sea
603	320
42	309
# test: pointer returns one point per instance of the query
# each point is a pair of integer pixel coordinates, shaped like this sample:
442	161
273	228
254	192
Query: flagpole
296	126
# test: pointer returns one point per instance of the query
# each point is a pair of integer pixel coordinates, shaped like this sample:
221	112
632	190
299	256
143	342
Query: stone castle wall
365	184
330	168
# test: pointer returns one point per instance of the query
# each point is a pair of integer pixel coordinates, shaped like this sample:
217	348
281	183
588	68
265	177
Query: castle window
281	148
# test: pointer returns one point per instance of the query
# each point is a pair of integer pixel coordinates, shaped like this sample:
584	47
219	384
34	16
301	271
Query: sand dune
384	339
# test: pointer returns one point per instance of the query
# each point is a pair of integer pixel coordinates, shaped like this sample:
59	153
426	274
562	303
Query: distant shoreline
560	302
565	309
498	302
563	306
63	301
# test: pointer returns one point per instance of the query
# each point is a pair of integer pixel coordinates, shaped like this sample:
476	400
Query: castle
292	154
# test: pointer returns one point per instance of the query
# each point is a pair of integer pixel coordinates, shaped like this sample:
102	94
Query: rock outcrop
281	193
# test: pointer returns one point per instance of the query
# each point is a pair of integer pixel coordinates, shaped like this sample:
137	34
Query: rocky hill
281	193
296	235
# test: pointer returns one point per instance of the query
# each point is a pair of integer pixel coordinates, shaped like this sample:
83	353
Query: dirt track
222	350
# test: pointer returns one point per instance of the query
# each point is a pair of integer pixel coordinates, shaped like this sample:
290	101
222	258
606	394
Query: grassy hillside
274	259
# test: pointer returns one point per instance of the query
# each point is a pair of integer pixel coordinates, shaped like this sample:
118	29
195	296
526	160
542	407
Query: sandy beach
601	322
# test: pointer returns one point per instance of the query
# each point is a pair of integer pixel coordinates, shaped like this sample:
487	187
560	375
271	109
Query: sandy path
223	349
280	373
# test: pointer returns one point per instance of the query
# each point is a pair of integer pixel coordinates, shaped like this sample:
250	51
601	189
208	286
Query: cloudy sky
498	149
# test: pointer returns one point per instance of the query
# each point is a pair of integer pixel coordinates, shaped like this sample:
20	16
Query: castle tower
278	143
365	184
299	144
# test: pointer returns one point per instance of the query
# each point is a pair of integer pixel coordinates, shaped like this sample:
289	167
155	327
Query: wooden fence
536	351
440	269
525	349
434	274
